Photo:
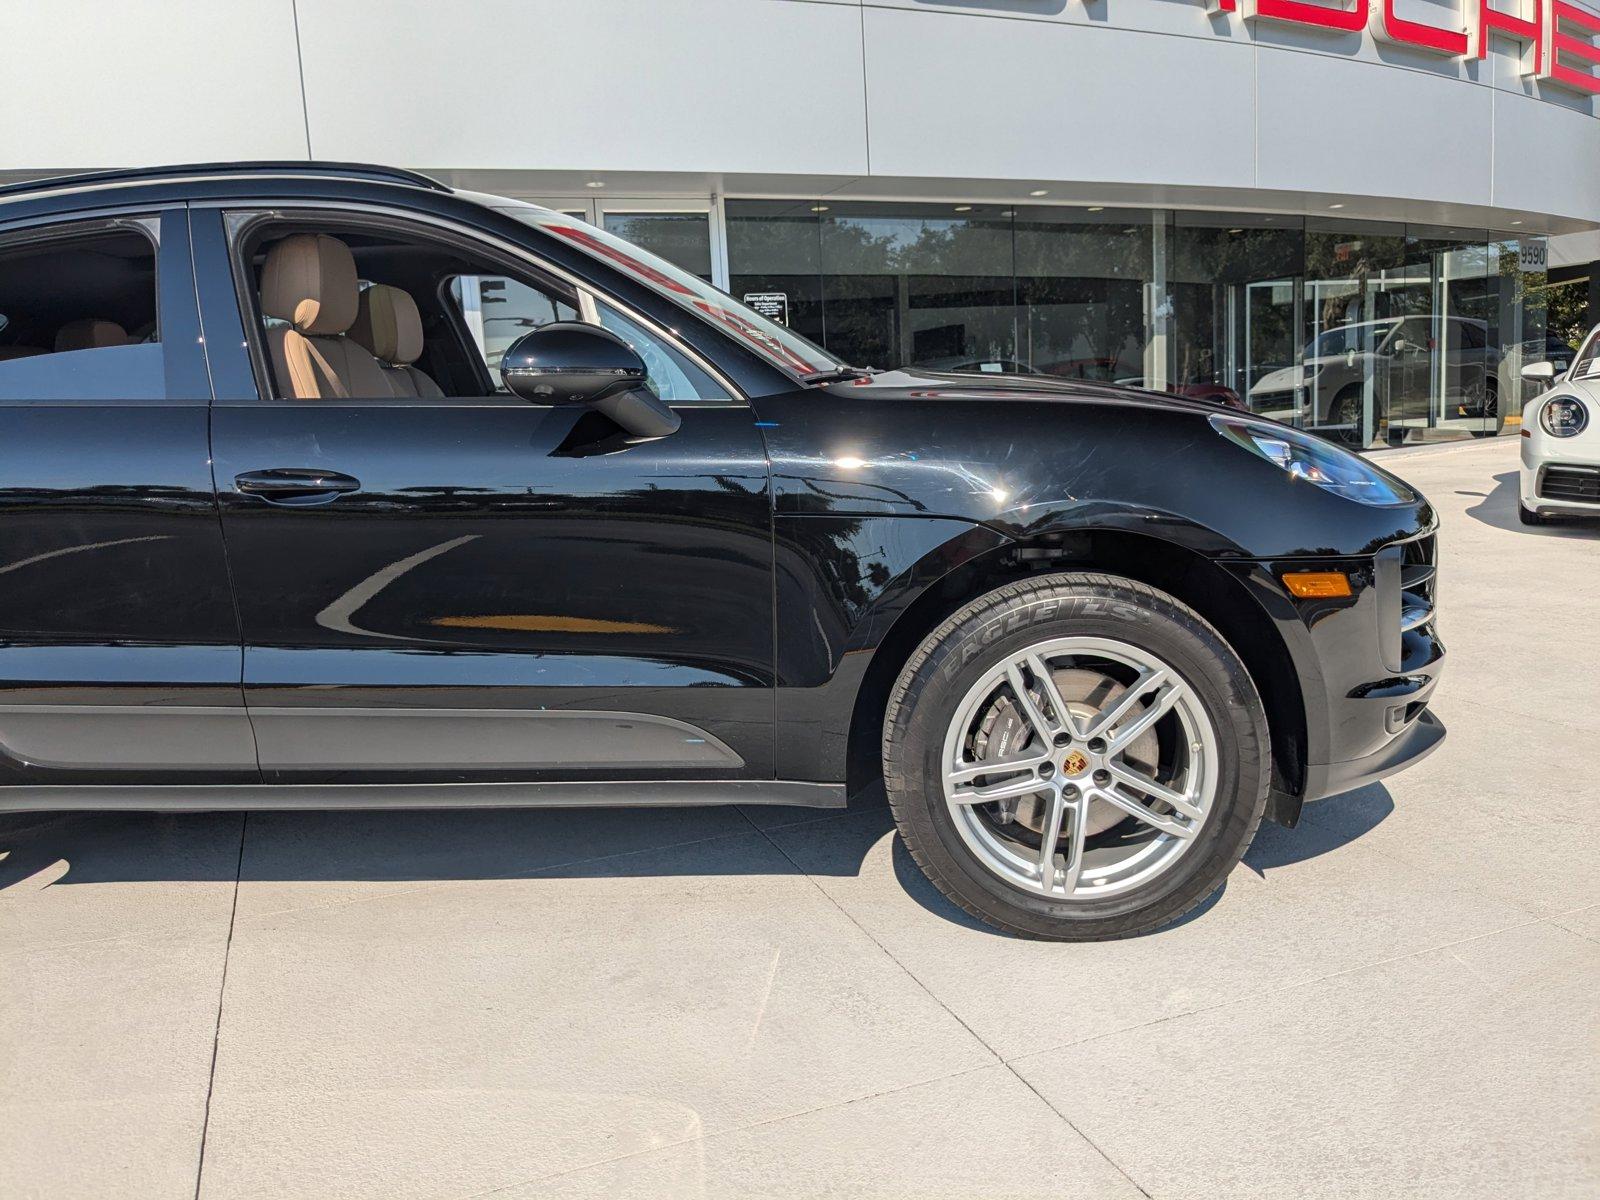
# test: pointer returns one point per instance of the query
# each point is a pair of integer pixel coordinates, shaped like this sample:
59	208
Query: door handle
295	483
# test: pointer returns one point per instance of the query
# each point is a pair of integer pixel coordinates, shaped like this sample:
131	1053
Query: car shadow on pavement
1325	826
1498	509
403	845
39	850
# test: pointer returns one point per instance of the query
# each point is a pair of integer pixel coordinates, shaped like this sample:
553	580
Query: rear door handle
291	484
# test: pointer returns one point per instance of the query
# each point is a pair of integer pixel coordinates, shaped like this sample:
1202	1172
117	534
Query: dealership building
1362	216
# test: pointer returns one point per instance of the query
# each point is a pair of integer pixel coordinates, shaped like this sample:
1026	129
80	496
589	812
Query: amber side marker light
1317	585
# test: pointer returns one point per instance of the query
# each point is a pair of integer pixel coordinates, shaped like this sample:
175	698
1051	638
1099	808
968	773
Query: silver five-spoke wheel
1080	768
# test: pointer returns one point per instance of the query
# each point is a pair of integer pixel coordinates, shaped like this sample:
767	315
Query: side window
357	310
1414	332
78	316
673	377
498	310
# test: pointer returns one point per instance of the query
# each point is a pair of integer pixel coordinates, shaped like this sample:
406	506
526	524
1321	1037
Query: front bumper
1561	476
1367	666
1420	739
1561	487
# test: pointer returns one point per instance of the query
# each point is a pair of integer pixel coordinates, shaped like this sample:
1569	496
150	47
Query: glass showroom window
1367	333
1085	293
1443	369
683	238
883	285
1236	290
920	285
1354	276
979	288
1523	328
775	261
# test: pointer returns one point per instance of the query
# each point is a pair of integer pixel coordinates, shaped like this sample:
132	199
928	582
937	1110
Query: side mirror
569	362
1539	372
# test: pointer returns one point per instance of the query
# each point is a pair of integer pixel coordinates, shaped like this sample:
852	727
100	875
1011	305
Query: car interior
85	292
358	313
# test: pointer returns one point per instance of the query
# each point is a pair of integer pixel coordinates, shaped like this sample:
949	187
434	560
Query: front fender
842	583
1029	467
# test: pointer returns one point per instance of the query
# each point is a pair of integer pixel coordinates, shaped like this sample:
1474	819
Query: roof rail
301	166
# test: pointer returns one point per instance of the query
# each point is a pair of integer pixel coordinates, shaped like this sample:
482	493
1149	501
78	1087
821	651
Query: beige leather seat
388	324
90	333
309	281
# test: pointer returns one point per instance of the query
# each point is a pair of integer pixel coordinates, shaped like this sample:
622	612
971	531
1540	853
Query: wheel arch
1186	575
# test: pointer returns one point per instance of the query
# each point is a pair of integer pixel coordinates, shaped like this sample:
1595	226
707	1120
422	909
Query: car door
504	591
1409	354
119	646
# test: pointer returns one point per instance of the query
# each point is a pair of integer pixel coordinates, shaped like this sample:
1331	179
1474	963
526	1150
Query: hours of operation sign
772	305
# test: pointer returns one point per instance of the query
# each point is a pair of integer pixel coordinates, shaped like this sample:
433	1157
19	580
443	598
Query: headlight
1564	416
1317	462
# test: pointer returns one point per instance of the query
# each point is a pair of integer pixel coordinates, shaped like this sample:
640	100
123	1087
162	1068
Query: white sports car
1561	439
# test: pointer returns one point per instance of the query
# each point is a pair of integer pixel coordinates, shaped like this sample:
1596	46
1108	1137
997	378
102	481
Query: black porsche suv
328	485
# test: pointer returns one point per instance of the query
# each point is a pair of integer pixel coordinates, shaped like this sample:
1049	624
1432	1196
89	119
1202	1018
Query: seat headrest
90	333
388	324
309	280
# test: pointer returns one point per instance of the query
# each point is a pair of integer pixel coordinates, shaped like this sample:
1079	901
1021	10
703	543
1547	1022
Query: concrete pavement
1398	998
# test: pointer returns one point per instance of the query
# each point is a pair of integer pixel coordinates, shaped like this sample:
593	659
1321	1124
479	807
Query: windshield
1588	363
772	341
1347	339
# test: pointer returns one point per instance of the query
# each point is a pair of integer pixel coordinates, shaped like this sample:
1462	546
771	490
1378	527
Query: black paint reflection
1028	457
108	530
484	549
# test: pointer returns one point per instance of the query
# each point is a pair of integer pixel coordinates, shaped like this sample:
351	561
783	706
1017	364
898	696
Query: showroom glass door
1459	393
1235	289
1357	286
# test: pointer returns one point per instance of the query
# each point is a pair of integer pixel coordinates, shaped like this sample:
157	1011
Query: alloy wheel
1080	768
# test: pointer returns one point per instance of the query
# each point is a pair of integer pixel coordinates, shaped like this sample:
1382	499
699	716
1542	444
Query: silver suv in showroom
1409	361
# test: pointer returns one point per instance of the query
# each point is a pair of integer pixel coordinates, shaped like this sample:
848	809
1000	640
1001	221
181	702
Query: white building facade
1340	212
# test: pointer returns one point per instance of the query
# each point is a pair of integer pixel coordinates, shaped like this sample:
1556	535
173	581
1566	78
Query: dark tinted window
1588	362
80	317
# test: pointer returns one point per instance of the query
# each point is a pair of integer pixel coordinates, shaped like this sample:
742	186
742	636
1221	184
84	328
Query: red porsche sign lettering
1560	42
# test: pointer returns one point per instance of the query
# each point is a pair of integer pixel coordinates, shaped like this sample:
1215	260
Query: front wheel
1489	411
1076	757
1345	415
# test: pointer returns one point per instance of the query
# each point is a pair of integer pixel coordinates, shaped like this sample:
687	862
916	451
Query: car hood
1032	458
1286	379
913	384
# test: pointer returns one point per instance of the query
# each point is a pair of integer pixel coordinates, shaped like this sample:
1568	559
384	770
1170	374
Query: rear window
78	316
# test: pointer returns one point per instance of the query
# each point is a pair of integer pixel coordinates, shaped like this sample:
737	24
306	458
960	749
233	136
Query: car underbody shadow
40	850
1325	826
384	845
1499	510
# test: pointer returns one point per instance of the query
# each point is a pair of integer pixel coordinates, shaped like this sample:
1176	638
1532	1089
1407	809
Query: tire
1491	411
1528	517
1346	409
927	716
